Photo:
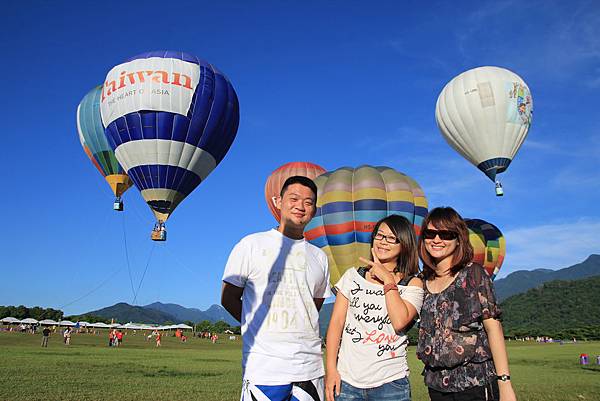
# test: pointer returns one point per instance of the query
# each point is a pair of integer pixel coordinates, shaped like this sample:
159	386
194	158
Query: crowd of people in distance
213	337
115	338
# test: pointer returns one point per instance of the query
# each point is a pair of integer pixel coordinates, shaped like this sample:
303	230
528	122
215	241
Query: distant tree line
217	327
38	313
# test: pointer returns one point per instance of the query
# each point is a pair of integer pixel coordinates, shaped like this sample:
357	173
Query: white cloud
407	48
563	145
566	47
399	139
550	246
577	178
545	146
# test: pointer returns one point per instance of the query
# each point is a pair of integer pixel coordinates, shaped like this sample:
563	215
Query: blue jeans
398	390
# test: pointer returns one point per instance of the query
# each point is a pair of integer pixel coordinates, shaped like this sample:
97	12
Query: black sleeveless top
362	271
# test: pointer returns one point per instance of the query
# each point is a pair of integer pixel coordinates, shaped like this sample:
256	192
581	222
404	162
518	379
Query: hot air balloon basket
118	205
158	235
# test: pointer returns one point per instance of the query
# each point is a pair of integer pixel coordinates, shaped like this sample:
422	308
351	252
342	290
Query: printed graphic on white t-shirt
280	330
372	353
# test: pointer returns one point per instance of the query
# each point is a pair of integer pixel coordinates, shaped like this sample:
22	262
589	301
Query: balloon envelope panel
95	145
485	114
489	245
350	202
277	178
171	119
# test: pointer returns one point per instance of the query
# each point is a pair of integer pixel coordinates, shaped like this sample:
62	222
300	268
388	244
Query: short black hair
299	179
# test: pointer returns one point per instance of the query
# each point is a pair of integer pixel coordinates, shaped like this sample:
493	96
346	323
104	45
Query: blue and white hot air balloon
170	118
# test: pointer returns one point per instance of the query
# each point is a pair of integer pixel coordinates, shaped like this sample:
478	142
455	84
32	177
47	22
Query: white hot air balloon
485	114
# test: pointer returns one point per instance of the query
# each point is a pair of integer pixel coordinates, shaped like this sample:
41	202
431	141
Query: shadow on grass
175	373
212	360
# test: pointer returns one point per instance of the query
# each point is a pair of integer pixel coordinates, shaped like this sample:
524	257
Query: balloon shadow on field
262	312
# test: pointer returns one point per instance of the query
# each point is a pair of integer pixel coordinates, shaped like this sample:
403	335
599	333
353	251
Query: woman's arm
495	334
334	336
400	312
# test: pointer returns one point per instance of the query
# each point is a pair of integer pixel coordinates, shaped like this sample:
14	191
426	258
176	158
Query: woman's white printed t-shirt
372	353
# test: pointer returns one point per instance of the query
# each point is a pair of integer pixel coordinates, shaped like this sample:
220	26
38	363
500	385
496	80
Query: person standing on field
374	308
67	336
274	283
45	337
461	340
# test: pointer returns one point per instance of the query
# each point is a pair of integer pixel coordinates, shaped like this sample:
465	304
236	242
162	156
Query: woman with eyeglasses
461	341
374	307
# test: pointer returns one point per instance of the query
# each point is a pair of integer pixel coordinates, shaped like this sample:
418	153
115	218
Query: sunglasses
445	235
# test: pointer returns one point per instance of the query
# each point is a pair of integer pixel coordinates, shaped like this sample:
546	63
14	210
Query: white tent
48	322
135	326
99	325
66	323
183	326
29	320
83	324
10	320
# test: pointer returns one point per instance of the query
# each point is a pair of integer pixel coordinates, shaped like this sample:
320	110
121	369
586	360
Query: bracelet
503	378
389	287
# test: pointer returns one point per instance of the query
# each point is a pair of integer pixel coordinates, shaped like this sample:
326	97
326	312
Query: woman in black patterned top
461	341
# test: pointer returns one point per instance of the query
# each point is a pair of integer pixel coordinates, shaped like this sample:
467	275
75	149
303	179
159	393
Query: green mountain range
159	313
562	309
522	280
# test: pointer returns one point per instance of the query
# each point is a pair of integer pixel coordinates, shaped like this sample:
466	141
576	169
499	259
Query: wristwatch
503	378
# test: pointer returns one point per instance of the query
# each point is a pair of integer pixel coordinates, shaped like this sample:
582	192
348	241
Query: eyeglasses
390	239
445	235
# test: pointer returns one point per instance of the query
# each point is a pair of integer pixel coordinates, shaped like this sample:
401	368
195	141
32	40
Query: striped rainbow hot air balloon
489	245
96	147
350	202
278	177
171	118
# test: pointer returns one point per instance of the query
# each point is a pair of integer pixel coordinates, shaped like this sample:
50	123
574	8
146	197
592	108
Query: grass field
199	370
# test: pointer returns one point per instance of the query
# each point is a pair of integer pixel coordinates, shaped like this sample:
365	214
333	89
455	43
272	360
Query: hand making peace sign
378	270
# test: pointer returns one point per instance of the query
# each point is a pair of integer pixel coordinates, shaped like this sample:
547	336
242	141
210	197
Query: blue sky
336	83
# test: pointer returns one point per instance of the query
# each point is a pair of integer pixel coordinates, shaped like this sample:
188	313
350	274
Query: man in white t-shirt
274	283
